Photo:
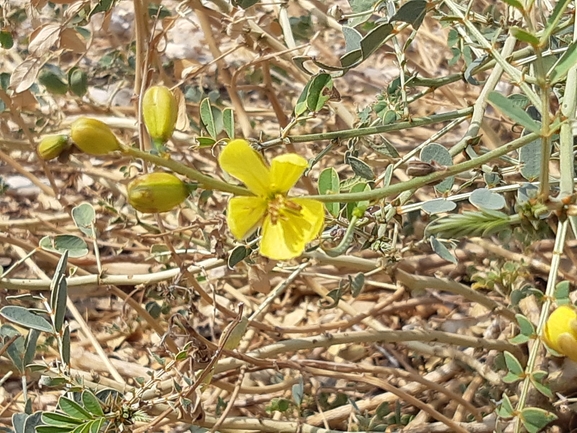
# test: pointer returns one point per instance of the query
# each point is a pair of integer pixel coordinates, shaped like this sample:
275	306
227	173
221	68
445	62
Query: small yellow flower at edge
288	224
560	332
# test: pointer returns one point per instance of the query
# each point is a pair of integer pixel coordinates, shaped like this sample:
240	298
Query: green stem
433	177
549	295
178	167
516	75
371	130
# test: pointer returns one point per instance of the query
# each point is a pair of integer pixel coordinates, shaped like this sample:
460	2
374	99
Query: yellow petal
244	214
285	170
567	346
241	161
282	240
559	322
314	212
287	237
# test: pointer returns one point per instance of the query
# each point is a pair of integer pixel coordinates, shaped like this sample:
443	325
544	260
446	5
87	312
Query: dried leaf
74	10
24	101
43	38
71	40
182	123
25	74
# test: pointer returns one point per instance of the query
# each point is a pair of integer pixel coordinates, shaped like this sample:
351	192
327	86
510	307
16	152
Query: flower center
280	208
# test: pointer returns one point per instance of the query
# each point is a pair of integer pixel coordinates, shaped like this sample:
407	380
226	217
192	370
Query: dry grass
418	350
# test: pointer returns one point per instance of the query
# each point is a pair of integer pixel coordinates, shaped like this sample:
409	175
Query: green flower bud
93	136
160	111
52	146
156	192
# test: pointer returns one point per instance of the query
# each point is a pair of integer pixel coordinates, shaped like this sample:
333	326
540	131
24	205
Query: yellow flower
560	332
288	224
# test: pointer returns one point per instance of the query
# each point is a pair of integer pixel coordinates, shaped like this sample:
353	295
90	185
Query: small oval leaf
437	153
483	198
439	205
442	251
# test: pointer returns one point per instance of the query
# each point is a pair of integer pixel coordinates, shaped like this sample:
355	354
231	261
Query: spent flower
288	224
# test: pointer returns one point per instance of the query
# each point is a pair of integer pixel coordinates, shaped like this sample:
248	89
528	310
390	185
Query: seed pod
160	111
93	136
156	192
52	146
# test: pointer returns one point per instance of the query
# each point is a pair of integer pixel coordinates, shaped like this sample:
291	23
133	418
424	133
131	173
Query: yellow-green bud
52	146
93	136
156	192
160	111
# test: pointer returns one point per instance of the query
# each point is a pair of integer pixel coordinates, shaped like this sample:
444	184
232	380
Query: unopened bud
156	192
93	136
160	112
52	146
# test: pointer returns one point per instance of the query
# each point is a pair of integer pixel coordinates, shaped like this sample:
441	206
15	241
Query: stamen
280	203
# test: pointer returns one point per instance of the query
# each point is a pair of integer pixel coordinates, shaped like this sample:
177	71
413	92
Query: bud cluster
150	193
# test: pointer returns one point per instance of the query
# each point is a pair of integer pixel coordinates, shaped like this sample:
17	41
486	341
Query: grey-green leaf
512	111
30	344
238	254
319	92
73	409
352	39
59	293
75	245
357	284
439	205
530	160
228	121
32	422
436	152
562	293
483	198
78	81
513	365
506	409
84	216
535	419
559	71
59	420
298	392
301	106
92	403
329	184
23	317
17	350
412	12
65	349
360	168
359	187
442	251
525	325
369	44
18	420
359	6
209	117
